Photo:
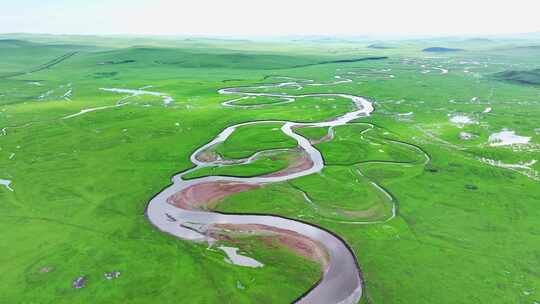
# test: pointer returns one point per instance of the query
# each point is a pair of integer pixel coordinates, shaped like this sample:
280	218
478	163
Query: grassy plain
466	231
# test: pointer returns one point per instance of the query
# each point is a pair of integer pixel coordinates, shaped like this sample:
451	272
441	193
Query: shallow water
507	137
233	257
166	98
89	110
462	120
6	183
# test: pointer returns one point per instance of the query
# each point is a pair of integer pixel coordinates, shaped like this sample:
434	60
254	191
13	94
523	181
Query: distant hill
218	58
530	77
9	43
479	40
200	58
529	47
440	50
380	46
15	43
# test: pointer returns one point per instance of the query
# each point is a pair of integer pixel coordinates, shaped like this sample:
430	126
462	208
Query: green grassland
258	101
260	166
247	140
312	133
465	231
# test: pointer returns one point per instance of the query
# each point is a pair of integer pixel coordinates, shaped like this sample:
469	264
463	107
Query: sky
271	17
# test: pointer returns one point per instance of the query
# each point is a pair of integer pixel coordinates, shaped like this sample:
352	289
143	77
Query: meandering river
341	281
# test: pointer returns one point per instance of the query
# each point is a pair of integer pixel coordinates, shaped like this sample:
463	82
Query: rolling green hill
531	77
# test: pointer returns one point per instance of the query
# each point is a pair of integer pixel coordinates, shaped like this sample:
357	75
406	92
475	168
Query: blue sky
277	17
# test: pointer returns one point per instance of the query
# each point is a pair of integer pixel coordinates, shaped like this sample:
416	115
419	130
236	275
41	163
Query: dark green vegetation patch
531	77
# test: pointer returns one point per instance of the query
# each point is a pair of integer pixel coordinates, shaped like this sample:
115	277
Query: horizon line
366	36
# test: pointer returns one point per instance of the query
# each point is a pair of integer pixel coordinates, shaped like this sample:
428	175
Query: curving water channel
341	281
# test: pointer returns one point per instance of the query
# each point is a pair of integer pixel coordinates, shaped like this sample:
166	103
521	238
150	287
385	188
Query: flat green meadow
433	211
